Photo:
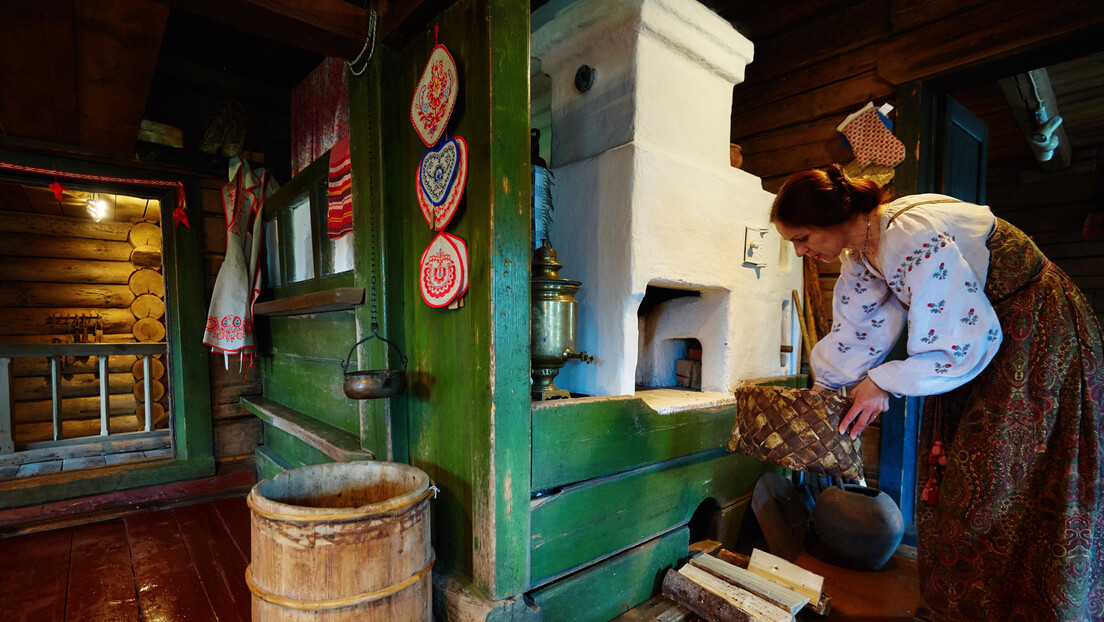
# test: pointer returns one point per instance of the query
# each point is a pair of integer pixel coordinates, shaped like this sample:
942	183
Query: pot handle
375	334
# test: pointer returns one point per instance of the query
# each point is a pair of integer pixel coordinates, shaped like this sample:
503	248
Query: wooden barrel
342	541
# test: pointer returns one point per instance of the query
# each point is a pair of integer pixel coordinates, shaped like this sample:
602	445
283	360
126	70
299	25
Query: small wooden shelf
337	299
330	440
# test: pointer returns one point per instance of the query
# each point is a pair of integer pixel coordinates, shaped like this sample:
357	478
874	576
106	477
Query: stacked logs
64	279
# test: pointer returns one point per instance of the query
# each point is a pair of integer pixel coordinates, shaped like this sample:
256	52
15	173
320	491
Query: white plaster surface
644	194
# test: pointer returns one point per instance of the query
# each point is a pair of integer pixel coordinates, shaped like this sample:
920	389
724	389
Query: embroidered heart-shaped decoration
431	177
435	96
440	272
462	249
438	170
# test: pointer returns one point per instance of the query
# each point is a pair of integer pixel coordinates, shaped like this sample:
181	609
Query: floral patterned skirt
1017	532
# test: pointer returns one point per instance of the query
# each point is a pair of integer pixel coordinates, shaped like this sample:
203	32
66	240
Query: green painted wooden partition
468	403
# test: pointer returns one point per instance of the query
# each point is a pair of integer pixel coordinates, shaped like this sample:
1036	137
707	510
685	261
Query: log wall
818	60
67	279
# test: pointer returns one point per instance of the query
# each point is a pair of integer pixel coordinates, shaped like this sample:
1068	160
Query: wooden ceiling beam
117	42
327	27
36	66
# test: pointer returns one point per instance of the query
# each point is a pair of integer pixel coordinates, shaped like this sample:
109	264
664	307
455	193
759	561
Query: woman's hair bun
837	177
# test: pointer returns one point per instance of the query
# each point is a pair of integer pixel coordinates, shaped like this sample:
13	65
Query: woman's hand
870	401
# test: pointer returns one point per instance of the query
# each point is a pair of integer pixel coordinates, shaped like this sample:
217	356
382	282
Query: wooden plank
38	468
658	608
909	14
831	33
977	34
41	569
101	581
218	562
36	51
269	463
289	451
502	271
578	440
781	596
76	447
123	458
782	571
237	437
836	99
602	516
321	336
87	462
339	299
612	586
334	442
236	518
116	54
325	27
743	600
312	387
164	573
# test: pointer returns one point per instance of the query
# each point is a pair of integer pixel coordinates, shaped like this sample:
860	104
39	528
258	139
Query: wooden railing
54	353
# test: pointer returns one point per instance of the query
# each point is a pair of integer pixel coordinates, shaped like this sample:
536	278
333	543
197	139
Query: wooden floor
188	564
181	564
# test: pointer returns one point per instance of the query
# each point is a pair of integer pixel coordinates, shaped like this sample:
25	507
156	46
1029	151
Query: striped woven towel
339	220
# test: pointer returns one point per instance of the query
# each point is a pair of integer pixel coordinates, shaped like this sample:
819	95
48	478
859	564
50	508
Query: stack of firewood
737	588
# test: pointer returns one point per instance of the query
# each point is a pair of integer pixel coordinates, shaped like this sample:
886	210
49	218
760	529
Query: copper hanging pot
361	385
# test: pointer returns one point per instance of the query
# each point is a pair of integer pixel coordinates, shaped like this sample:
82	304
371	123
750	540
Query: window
299	254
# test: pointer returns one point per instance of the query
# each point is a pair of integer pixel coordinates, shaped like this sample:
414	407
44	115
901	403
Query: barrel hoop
337	603
387	511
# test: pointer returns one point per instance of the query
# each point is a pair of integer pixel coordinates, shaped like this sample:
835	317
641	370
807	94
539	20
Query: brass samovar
552	321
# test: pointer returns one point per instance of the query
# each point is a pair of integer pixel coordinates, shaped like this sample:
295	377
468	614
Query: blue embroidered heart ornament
440	181
438	171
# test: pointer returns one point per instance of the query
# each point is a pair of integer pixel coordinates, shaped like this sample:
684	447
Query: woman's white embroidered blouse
935	262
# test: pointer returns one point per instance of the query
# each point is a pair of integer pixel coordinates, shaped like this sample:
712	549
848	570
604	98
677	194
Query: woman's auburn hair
824	198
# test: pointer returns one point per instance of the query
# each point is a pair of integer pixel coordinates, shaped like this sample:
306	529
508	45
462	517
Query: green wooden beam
601	517
613	586
509	470
468	405
336	443
313	387
575	441
269	463
292	450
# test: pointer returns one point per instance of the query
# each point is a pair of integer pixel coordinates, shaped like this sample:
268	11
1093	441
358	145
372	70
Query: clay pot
859	527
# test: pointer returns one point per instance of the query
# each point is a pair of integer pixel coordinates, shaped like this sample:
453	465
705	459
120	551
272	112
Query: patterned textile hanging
230	319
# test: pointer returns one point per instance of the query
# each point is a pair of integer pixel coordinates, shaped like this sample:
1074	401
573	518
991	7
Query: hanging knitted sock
870	139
